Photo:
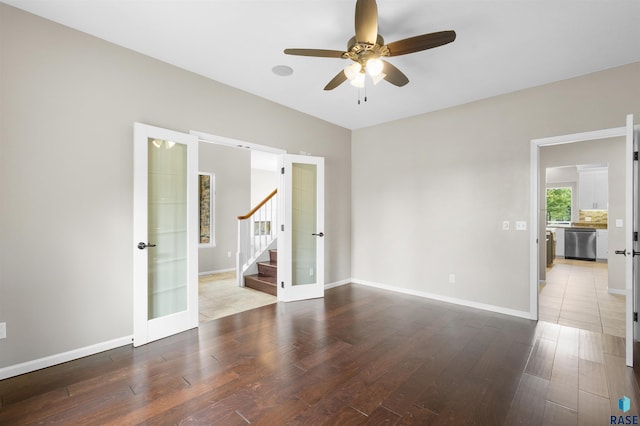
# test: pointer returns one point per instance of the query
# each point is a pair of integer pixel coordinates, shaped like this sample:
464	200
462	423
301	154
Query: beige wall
67	106
263	182
430	192
232	170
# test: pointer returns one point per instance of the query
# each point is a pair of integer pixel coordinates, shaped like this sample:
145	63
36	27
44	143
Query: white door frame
535	215
234	143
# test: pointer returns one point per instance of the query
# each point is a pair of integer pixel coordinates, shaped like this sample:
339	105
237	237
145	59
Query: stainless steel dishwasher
580	243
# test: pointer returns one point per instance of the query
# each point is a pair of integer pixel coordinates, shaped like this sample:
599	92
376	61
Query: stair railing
256	231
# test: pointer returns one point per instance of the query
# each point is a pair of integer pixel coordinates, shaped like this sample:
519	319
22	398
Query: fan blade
421	42
319	53
366	21
394	75
340	78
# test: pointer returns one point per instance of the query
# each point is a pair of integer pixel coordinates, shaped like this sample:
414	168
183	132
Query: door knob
321	234
622	252
143	246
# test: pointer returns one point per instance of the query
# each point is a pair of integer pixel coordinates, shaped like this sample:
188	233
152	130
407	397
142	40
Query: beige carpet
219	296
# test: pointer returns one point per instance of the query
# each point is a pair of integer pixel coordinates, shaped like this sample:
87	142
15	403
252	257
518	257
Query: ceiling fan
367	48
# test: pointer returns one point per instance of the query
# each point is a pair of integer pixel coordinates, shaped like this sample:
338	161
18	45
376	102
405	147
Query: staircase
265	279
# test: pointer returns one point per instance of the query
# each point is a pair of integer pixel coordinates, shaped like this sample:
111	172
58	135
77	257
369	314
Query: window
558	205
207	192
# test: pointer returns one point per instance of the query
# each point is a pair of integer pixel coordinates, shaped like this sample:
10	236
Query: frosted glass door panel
304	208
167	228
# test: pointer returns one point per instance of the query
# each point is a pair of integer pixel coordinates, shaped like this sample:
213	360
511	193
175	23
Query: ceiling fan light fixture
374	66
352	71
358	80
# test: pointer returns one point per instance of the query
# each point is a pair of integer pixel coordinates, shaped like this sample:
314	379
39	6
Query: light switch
619	223
521	225
505	225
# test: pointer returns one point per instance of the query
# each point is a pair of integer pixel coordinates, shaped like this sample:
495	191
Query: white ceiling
501	46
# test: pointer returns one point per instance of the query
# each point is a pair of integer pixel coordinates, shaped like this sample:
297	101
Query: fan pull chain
365	95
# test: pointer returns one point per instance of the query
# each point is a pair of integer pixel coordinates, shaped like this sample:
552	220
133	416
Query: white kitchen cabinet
559	242
593	189
602	244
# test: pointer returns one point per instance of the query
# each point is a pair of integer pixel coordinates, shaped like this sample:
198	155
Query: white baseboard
37	364
617	291
217	271
336	284
448	299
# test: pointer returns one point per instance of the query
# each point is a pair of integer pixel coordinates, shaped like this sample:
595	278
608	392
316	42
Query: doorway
623	225
241	173
300	234
574	287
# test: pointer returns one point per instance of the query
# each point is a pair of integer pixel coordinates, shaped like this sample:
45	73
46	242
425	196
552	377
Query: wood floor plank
613	345
417	416
563	390
593	410
529	402
622	382
382	416
593	378
591	347
407	394
541	360
346	416
557	415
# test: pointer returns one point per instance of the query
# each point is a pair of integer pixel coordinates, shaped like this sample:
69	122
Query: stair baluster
257	233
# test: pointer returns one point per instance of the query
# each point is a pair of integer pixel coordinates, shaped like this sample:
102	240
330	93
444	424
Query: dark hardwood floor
358	356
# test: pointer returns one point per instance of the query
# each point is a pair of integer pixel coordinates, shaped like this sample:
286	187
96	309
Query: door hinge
635	156
635	236
282	171
282	228
282	284
635	317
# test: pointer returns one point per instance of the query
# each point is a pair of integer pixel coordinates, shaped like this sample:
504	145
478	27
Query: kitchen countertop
595	225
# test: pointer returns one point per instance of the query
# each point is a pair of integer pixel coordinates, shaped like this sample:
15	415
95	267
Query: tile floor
219	296
576	295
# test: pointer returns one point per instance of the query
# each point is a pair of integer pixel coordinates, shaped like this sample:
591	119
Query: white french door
301	234
165	245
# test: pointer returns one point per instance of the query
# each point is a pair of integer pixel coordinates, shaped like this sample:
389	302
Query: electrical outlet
452	278
3	330
521	225
505	225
